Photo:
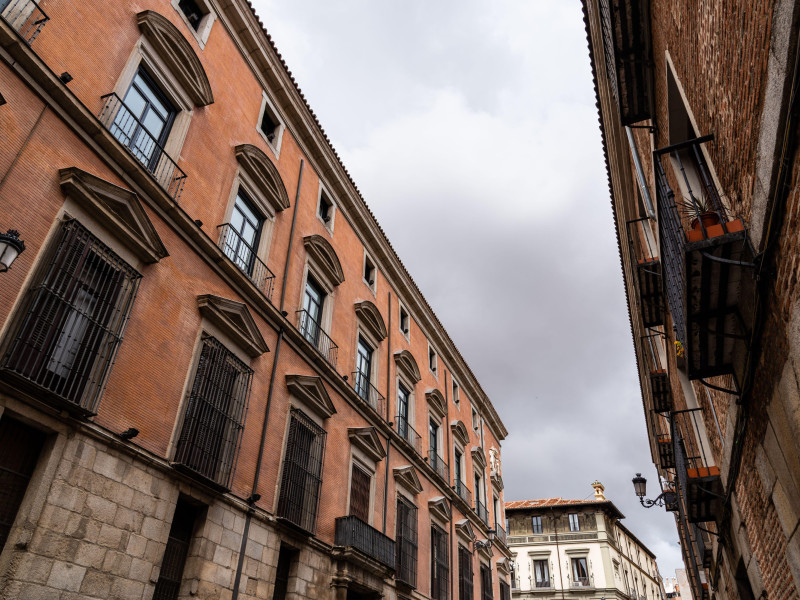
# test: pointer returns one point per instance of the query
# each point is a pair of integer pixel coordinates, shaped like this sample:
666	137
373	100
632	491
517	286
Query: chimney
599	488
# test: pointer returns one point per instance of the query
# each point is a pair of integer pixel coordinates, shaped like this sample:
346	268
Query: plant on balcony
701	210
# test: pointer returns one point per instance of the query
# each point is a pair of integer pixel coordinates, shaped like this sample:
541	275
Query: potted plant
702	209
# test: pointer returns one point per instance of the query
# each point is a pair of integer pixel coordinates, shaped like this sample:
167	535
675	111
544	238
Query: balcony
369	393
706	258
26	17
652	348
482	512
437	464
244	257
408	433
699	483
131	133
500	534
313	332
646	272
460	488
665	448
352	532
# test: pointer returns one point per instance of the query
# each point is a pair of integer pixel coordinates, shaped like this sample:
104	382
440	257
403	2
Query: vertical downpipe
450	470
249	516
388	387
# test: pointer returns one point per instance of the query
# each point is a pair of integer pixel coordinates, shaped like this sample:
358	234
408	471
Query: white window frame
204	29
268	107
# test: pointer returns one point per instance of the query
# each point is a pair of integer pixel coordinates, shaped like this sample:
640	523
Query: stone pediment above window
407	365
117	209
437	403
497	481
465	530
460	432
370	317
502	565
312	392
439	508
235	321
324	257
407	477
264	175
478	458
368	441
178	54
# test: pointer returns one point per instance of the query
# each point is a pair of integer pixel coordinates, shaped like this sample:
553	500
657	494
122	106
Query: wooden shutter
360	485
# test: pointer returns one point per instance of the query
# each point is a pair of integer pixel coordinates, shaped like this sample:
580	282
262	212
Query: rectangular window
325	209
402	412
212	428
404	321
457	466
432	359
541	573
313	301
505	592
287	558
574	523
513	569
176	551
20	446
440	565
406	536
465	576
369	272
76	312
580	572
487	593
241	236
456	391
536	524
194	14
302	472
363	369
360	485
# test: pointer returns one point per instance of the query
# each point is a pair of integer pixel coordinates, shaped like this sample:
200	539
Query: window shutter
359	493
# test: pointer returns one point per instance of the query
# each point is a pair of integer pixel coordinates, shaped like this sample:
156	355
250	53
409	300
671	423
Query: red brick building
217	379
698	111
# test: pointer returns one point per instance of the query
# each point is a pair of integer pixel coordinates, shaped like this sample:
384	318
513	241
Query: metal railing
652	346
545	583
408	433
244	257
355	533
696	456
482	511
646	271
131	133
369	393
500	533
313	332
460	488
437	464
580	582
26	16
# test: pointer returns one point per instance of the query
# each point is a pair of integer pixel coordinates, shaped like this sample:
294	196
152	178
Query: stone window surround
433	357
275	145
323	190
327	286
372	342
401	308
204	28
360	459
373	287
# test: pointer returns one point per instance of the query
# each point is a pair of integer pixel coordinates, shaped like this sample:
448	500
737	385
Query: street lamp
667	497
10	248
487	543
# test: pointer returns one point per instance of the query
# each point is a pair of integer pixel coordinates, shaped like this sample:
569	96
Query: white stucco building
578	549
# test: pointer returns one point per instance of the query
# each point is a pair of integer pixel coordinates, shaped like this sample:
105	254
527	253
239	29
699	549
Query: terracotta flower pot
707	218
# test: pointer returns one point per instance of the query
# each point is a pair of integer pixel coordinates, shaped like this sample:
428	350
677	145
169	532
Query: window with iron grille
487	593
212	428
440	563
406	536
75	315
505	591
465	576
302	472
20	446
176	551
360	484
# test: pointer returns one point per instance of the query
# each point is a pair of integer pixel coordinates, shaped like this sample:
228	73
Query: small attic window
404	321
198	16
193	12
326	209
432	359
369	272
270	124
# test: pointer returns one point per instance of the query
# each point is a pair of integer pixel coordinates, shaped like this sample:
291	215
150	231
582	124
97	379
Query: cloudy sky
471	129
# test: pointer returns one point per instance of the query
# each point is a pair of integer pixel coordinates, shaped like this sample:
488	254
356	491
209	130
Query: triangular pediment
371	319
460	432
324	257
234	320
173	48
502	565
439	508
264	175
485	549
117	209
407	477
311	391
368	441
407	365
437	403
497	482
465	530
478	457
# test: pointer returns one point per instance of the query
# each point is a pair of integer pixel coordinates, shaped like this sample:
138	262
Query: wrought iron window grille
406	536
440	565
208	444
75	316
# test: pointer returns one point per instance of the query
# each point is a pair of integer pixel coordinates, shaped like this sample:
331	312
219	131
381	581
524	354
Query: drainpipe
252	499
388	387
449	470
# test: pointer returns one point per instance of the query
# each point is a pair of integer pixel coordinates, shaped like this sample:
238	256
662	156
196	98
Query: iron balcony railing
663	438
580	582
408	433
460	488
243	256
646	271
652	346
438	465
313	332
26	16
369	393
500	533
699	484
131	133
354	533
482	511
